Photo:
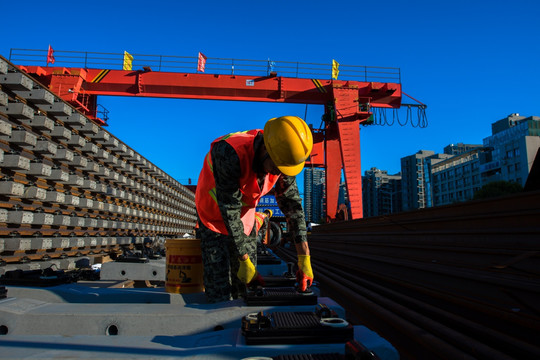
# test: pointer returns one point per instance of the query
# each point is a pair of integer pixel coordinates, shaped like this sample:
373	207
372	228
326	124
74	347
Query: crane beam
218	87
337	146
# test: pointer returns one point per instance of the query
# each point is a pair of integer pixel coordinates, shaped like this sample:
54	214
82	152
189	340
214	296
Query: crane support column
333	166
348	116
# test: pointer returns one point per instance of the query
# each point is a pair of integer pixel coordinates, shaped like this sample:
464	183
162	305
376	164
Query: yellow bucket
184	266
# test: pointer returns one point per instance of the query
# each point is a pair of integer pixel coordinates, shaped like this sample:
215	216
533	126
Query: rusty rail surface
455	282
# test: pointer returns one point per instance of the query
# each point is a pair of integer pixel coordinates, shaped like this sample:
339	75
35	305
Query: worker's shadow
226	335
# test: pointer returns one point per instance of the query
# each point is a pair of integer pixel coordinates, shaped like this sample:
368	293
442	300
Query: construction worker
238	170
262	221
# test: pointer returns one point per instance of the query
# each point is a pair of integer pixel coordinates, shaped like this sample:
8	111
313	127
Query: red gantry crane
347	103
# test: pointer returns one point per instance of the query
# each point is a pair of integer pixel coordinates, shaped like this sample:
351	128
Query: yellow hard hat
269	212
288	141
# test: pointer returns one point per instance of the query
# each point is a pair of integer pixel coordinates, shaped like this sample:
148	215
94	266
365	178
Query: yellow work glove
304	275
247	272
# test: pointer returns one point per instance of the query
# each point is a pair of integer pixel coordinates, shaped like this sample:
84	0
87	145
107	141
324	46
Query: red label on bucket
184	259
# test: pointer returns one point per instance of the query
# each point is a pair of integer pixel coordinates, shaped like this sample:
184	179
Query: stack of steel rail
454	282
68	187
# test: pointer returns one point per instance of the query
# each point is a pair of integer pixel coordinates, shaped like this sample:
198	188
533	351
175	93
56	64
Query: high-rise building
314	193
416	179
514	143
457	178
460	148
381	193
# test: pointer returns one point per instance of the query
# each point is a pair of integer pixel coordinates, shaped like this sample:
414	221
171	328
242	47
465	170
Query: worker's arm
227	173
290	203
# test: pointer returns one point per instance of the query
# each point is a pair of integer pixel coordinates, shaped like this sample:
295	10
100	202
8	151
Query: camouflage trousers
220	262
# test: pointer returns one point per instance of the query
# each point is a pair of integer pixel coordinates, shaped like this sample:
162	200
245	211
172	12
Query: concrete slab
39	169
42	123
75	180
61	220
59	175
56	198
90	148
20	217
154	270
88	129
3	98
63	154
11	188
3	67
179	315
75	120
16	81
59	108
37	96
227	344
60	133
3	216
77	141
45	147
42	219
23	138
92	167
16	162
17	244
79	161
101	137
5	128
18	111
35	193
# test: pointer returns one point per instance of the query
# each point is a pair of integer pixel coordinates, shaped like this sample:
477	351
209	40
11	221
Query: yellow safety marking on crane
319	86
100	76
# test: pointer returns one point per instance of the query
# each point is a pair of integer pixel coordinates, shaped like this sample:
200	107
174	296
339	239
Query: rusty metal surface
455	282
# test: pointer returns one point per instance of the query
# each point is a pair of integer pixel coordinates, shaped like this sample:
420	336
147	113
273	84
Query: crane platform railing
220	66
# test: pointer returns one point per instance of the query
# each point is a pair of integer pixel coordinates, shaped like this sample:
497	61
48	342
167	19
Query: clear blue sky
472	63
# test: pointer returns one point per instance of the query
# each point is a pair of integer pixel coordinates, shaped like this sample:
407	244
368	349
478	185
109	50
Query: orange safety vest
205	195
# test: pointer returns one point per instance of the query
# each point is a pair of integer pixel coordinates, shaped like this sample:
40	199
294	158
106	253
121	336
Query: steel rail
459	281
439	313
412	341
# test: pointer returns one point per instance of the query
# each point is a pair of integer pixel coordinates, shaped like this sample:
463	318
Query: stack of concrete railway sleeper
71	189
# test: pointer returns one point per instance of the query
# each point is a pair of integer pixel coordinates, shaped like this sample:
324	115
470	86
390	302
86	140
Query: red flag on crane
201	63
50	56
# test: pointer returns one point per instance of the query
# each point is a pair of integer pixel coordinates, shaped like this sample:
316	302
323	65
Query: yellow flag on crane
335	69
128	61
